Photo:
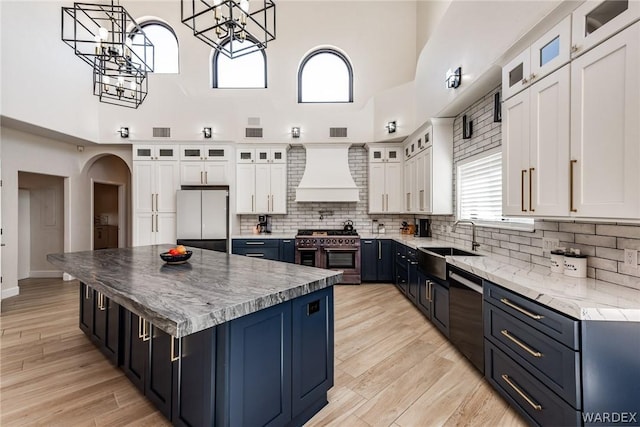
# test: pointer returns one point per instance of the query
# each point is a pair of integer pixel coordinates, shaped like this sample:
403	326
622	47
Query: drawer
558	326
535	402
259	252
550	361
255	243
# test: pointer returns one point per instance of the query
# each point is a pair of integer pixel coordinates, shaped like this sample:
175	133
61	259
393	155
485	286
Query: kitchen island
220	340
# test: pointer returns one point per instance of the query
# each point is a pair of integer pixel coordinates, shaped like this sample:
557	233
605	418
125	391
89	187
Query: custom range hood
327	177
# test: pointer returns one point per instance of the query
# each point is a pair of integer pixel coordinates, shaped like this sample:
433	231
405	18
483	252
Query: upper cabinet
545	55
204	165
605	129
428	182
535	148
155	152
570	140
596	21
385	179
261	180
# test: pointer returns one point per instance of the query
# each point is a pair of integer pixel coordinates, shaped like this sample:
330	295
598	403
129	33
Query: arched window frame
163	24
344	59
214	66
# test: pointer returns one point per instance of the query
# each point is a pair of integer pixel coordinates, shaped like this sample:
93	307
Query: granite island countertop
210	289
580	298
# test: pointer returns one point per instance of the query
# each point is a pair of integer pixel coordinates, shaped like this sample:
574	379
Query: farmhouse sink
432	260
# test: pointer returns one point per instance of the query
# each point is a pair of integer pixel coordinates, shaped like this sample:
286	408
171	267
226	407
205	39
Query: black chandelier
107	38
225	25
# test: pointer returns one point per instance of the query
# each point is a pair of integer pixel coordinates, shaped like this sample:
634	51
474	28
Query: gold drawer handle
521	310
173	349
143	333
521	344
533	404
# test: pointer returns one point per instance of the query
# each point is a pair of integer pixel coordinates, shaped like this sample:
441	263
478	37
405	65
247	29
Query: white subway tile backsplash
626	231
592	239
572	227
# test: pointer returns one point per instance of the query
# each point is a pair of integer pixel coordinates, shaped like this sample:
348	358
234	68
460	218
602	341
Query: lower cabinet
433	301
100	320
377	260
402	274
269	368
412	276
274	249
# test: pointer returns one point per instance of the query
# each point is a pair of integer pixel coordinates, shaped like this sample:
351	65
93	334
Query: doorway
106	215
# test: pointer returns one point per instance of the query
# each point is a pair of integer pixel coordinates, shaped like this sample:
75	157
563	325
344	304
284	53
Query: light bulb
120	81
103	33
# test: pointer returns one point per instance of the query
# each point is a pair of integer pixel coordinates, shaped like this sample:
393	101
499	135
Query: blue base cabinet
100	320
274	249
273	367
376	260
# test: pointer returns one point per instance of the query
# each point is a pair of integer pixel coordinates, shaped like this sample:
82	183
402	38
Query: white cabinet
154	198
547	54
535	148
261	180
410	185
385	179
428	181
155	152
605	128
204	165
595	21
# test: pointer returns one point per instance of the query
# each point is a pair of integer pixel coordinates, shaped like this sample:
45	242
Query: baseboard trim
10	292
45	274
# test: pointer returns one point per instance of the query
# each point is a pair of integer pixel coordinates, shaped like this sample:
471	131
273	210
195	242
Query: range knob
340	241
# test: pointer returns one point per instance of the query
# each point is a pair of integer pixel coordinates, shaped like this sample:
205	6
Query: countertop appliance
331	249
264	224
203	217
465	315
424	227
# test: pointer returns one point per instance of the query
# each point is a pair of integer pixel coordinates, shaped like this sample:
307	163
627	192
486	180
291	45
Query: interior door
214	214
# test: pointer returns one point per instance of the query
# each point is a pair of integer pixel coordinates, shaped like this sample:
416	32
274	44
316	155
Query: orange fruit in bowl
181	249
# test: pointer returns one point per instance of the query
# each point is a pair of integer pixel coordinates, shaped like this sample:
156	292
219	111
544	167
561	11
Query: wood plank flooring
393	368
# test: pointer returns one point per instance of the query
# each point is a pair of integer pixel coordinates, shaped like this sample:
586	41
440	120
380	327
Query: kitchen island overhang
254	336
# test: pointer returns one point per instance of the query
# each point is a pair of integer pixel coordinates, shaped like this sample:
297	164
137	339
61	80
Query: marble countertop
585	299
210	289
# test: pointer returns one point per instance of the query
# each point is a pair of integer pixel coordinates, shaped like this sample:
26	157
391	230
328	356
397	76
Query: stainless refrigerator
203	218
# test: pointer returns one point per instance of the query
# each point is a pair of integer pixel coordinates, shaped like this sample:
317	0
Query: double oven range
331	249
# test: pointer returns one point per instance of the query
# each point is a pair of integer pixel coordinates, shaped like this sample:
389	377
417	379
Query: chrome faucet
474	244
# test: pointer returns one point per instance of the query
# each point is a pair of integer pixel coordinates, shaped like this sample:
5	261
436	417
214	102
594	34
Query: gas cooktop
327	233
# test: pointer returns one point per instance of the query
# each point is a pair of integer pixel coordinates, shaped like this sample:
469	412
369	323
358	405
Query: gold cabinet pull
520	344
87	294
382	202
524	171
146	336
521	310
100	302
530	401
206	177
173	348
571	207
531	188
379	249
253	203
140	328
157	202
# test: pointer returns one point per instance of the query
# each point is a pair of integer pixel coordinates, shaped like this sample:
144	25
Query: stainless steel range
331	249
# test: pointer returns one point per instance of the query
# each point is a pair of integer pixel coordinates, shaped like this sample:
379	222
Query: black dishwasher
465	315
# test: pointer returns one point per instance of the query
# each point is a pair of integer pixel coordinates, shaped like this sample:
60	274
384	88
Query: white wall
24	234
30	153
378	37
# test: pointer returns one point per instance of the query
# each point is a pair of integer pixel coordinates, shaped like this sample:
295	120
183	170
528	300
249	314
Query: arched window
325	75
244	72
165	46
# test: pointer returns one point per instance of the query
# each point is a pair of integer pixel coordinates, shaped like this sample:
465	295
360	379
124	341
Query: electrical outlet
631	257
549	244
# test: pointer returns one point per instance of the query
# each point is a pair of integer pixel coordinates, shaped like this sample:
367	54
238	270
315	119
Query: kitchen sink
451	251
432	260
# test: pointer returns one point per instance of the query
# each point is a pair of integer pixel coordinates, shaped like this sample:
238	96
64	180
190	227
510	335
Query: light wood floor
393	368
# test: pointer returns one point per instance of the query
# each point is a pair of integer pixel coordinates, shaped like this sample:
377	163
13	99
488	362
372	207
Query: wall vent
253	132
161	132
337	132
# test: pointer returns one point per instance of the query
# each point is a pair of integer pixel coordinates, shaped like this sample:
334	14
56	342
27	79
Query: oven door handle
307	249
341	249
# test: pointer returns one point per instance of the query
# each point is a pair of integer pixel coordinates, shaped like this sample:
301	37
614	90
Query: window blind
480	190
